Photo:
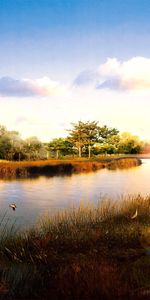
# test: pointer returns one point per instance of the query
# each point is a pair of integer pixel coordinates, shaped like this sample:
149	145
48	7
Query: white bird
135	214
13	206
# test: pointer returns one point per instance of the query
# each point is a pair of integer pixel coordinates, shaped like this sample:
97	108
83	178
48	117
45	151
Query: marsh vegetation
91	252
53	167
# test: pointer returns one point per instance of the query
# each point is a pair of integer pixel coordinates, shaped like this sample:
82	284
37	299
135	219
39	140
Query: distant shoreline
27	169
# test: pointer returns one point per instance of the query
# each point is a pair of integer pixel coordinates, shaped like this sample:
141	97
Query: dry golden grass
124	163
53	167
92	252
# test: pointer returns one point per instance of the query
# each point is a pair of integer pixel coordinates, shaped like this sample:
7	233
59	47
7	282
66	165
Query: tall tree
130	144
91	131
5	147
77	136
16	145
86	134
60	145
32	147
105	133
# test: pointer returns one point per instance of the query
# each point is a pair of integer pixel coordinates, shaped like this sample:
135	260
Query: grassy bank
53	167
86	253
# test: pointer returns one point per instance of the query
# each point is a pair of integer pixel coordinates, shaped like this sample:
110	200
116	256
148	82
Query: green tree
67	147
91	130
5	147
17	143
130	144
77	136
112	144
84	134
106	133
60	145
32	148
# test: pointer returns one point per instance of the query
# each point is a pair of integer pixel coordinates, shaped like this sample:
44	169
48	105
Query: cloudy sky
67	60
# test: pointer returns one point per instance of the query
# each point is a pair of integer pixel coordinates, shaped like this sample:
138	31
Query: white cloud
87	99
130	75
44	86
133	74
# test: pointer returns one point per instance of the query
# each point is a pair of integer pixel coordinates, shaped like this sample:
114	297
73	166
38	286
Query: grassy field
93	252
26	169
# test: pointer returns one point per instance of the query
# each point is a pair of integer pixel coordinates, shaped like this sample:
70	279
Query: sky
62	61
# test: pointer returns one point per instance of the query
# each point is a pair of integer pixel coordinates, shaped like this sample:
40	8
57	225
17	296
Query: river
35	197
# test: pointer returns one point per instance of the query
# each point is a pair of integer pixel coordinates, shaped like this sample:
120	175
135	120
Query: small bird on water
135	214
13	206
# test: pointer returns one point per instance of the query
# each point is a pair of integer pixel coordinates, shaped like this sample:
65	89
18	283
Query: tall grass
52	167
91	252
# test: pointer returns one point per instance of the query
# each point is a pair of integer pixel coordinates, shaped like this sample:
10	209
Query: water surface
34	197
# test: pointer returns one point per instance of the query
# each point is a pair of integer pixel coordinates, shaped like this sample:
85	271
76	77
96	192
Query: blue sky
44	36
48	45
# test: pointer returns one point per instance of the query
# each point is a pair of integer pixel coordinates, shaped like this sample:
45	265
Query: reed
91	252
26	169
122	163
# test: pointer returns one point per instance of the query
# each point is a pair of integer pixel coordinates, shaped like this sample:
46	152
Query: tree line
84	139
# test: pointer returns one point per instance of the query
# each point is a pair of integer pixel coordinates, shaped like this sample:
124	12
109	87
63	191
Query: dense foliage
84	139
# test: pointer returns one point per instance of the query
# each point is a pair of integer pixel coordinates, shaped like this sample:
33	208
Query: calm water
34	197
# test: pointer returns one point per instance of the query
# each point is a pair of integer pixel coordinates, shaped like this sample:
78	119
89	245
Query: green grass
93	252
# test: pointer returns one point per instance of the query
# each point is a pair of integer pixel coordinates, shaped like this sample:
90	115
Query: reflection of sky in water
34	197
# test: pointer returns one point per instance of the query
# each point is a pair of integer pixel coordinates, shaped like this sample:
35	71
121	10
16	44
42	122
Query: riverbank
87	253
27	169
